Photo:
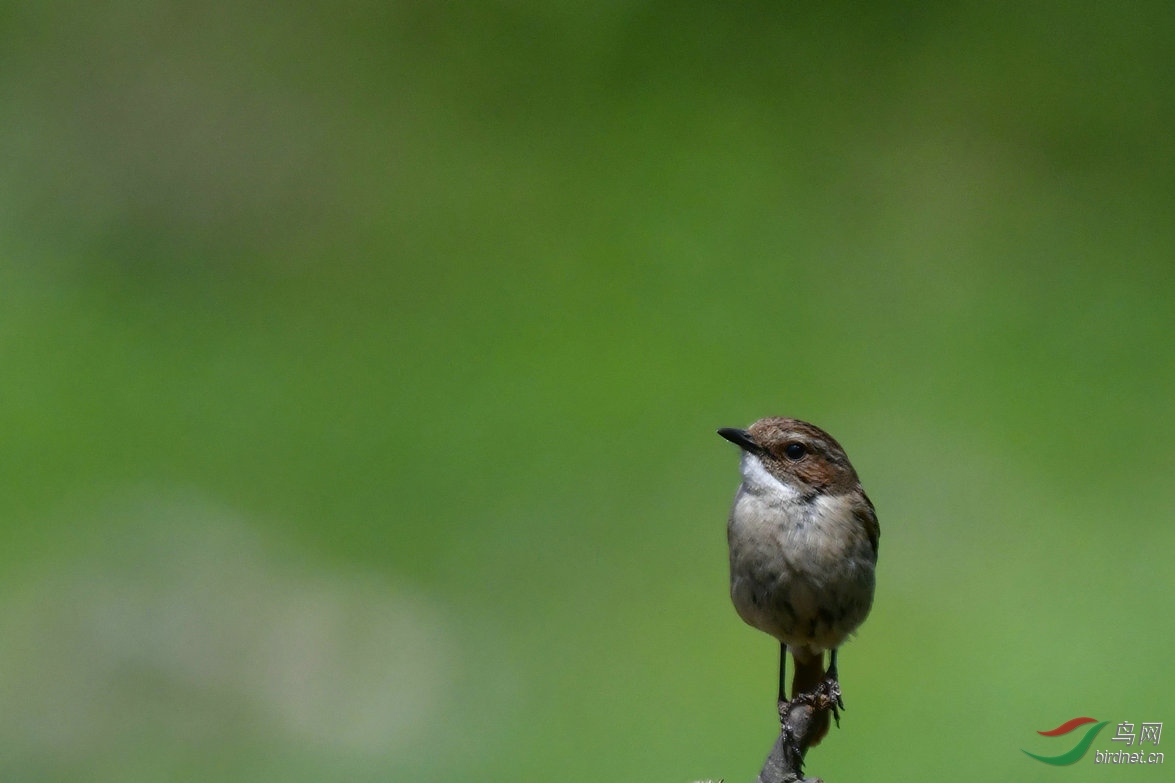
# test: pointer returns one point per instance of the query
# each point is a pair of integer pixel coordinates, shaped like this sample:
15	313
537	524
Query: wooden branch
785	763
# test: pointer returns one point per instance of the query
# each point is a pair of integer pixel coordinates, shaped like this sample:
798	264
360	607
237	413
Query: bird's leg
830	689
790	741
782	703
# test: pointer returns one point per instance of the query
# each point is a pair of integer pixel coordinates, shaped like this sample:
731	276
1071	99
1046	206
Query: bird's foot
789	738
827	696
823	698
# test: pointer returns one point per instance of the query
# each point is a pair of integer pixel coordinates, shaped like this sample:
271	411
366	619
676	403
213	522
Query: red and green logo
1078	750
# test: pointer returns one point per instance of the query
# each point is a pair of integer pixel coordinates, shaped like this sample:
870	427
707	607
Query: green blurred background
361	366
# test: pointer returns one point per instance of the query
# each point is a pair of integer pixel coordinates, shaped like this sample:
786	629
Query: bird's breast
801	568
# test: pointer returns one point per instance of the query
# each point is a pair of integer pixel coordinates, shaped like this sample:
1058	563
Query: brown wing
868	518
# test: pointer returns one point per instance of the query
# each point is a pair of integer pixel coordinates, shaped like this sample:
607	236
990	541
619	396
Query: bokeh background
361	365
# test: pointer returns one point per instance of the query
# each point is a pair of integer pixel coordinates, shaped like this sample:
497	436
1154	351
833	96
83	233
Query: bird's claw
827	697
789	738
824	697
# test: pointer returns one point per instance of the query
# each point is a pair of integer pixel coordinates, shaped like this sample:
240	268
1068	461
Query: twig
785	763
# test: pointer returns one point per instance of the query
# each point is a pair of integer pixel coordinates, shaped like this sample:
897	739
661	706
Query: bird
803	539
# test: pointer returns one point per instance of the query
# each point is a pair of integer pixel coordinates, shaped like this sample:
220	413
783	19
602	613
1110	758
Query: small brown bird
803	547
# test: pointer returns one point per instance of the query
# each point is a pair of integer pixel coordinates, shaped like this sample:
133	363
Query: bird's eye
795	451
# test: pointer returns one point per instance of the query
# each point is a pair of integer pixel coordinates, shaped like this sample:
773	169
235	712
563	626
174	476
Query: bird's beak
740	438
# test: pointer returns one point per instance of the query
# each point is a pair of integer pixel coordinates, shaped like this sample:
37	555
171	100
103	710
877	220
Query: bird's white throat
760	480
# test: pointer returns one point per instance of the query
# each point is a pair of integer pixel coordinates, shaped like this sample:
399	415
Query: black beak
740	438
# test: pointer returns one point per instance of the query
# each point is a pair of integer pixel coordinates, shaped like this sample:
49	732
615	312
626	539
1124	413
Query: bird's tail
807	678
